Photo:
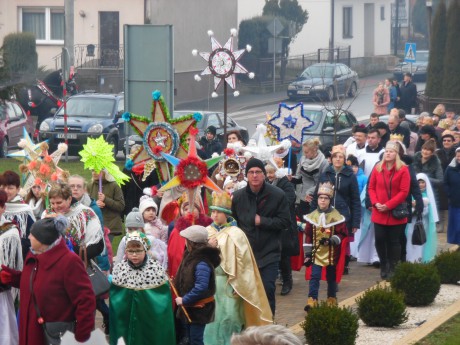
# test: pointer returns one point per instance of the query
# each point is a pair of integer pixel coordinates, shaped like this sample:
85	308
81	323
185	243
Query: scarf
19	212
312	164
230	222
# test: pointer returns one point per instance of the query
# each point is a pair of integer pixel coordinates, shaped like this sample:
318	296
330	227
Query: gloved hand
308	260
6	275
335	240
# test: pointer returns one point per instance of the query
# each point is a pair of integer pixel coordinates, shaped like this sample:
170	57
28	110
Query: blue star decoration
290	122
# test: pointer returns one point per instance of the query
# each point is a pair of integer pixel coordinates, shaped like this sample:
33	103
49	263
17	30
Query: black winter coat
210	146
414	191
408	96
346	194
452	184
273	208
290	239
404	132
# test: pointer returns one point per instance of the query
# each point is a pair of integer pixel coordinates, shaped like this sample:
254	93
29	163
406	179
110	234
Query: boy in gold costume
325	231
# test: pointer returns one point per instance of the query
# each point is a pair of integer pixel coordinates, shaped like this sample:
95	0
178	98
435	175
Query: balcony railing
95	56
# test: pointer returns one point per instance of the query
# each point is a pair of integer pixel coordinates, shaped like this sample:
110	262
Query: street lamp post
429	8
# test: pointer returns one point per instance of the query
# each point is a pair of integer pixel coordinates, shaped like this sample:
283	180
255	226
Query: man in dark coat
262	212
408	94
396	129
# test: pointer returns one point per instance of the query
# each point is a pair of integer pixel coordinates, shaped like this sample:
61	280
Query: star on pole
290	122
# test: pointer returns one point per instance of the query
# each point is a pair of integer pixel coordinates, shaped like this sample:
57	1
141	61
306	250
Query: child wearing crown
240	297
325	231
140	297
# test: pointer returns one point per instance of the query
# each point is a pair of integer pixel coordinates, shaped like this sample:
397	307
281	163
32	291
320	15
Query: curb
430	325
416	334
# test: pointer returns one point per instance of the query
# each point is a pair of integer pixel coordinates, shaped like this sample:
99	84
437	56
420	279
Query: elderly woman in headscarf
426	252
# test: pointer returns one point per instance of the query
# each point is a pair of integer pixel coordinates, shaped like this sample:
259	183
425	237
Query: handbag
401	211
53	331
98	279
419	234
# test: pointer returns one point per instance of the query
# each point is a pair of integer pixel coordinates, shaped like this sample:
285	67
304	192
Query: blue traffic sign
410	53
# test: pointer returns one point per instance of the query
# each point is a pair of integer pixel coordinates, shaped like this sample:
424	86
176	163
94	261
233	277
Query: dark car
324	125
216	119
417	68
89	115
324	81
13	120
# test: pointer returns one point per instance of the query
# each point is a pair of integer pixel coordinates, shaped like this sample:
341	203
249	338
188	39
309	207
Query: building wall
316	32
191	20
86	24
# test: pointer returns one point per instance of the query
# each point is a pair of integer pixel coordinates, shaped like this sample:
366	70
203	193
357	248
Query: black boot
105	326
346	269
383	270
287	287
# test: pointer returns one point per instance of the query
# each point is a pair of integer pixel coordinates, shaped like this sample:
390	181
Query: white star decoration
160	139
290	122
258	147
223	62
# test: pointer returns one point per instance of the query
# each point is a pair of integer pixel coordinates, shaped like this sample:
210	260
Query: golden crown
397	137
221	202
326	188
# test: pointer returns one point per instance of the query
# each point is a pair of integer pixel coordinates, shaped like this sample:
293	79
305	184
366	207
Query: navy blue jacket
346	194
452	183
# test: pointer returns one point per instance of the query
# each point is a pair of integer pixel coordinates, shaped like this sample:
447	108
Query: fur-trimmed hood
429	167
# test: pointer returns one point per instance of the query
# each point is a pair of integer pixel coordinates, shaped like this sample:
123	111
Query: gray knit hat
134	219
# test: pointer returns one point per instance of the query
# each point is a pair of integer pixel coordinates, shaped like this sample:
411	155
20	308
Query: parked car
13	119
216	119
324	81
323	125
418	68
89	115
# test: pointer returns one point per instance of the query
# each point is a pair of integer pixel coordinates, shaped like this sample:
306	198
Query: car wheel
4	148
113	141
330	93
353	89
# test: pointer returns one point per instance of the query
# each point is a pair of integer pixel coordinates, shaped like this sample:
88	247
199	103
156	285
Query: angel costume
140	304
11	256
427	251
240	296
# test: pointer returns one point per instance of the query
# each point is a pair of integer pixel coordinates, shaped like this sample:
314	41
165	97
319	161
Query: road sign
410	52
275	27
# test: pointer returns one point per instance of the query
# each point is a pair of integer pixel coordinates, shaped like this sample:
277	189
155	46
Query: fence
95	56
428	104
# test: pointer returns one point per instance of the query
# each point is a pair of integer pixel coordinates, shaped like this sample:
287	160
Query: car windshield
422	56
318	72
88	107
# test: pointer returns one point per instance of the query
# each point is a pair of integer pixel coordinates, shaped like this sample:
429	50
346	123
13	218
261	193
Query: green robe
141	306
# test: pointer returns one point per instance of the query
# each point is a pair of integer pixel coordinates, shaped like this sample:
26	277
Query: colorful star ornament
42	169
191	172
223	62
160	134
290	122
97	155
258	146
30	149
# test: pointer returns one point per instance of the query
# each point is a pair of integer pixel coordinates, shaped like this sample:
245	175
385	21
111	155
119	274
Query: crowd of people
198	268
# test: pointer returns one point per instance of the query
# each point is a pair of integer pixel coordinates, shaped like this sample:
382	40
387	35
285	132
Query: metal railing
426	103
95	56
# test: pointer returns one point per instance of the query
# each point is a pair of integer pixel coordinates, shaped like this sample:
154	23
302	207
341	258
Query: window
213	120
46	23
382	12
347	22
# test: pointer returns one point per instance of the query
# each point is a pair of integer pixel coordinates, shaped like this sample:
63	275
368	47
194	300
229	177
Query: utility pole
69	30
429	7
396	29
331	42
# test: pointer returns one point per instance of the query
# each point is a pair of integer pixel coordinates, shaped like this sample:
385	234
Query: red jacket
62	290
379	189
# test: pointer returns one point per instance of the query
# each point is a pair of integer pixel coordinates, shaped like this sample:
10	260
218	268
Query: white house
365	25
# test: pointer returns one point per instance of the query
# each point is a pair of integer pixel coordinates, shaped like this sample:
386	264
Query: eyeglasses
257	172
76	186
135	252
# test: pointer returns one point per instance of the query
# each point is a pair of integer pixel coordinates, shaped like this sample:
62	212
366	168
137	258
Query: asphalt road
250	110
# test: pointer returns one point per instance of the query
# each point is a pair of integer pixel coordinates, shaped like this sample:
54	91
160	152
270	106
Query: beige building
98	35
